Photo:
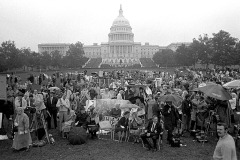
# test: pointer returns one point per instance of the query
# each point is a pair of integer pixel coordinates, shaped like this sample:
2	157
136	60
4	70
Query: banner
3	87
158	82
100	74
105	105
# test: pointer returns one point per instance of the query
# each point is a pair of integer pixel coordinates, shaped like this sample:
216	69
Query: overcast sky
160	22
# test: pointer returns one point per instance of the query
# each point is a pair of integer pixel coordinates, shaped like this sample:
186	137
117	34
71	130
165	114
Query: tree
75	55
26	56
223	47
56	58
35	59
182	56
194	52
164	58
205	50
46	59
10	54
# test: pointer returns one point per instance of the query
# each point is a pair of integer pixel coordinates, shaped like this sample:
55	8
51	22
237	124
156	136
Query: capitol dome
121	20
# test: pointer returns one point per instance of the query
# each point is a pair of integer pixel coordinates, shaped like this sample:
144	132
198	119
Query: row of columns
53	48
121	49
121	37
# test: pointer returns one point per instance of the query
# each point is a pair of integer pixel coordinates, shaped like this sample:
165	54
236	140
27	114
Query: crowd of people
166	102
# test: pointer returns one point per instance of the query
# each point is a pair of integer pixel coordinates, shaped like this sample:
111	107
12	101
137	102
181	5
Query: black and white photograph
119	80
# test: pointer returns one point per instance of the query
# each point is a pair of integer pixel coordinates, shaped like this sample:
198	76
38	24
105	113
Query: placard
158	82
3	87
105	105
100	74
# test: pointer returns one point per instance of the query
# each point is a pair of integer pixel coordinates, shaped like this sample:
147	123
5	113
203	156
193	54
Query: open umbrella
175	99
215	91
54	88
232	84
133	99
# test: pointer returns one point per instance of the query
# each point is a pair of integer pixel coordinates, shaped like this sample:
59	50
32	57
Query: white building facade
50	47
120	48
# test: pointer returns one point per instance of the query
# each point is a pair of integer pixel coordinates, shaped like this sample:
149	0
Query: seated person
135	123
153	130
92	122
122	125
116	112
66	126
81	118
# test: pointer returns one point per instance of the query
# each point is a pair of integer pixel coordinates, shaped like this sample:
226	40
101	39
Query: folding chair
105	126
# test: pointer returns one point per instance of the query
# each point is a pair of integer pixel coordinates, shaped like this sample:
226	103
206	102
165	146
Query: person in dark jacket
156	109
129	93
171	119
53	110
153	131
186	113
116	111
122	125
82	118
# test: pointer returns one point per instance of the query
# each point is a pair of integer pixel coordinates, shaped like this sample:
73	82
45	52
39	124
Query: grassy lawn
110	150
25	75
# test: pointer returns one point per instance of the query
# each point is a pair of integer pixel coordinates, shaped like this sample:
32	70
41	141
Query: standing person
186	113
20	101
225	148
156	108
63	104
171	118
106	94
22	138
129	93
119	95
52	108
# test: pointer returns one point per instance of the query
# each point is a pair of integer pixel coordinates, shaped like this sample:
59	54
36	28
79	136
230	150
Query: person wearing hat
81	118
52	108
171	118
20	101
122	125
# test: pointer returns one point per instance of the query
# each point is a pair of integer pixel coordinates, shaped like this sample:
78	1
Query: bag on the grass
77	136
176	141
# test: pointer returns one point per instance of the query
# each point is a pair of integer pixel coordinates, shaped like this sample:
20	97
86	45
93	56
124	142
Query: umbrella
133	99
129	106
232	84
175	99
215	91
54	88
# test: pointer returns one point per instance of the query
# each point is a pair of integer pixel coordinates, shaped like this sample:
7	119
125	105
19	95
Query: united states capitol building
119	51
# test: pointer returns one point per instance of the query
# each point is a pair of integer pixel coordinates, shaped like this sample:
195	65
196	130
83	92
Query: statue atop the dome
120	11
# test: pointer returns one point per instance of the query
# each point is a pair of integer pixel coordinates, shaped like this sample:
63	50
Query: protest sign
100	74
105	105
158	82
3	87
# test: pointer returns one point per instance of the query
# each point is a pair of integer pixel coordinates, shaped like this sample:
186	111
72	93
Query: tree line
221	49
12	57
